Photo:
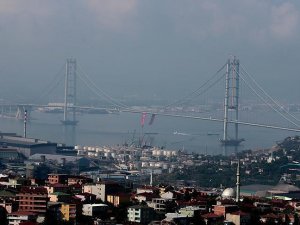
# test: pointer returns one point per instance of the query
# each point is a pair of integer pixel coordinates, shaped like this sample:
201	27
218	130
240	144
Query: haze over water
172	133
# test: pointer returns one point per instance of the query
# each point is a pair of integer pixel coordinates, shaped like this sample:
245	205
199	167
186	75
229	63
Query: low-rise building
224	209
191	211
16	218
119	198
94	209
238	218
140	214
212	218
68	211
158	204
58	197
57	187
57	178
79	180
33	199
27	146
102	189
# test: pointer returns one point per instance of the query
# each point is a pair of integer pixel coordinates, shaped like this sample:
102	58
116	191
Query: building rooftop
95	205
139	207
54	157
286	188
17	141
211	215
33	190
240	213
6	193
22	213
60	193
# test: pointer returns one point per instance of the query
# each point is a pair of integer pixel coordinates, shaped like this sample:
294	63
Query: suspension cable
92	89
260	97
109	98
205	90
99	95
53	84
272	99
188	96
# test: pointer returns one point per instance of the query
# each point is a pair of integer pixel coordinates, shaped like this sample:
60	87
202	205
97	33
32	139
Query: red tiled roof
22	213
57	185
28	223
240	213
211	215
248	205
271	216
148	188
75	185
33	190
189	203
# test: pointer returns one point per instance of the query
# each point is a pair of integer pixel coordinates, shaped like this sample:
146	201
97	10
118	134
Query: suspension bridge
232	73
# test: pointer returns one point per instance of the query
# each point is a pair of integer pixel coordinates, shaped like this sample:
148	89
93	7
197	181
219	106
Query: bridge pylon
231	101
70	93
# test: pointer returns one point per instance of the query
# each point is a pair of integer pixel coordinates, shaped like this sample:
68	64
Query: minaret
25	123
237	199
151	178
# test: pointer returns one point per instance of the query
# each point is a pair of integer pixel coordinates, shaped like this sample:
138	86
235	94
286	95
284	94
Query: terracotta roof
211	215
28	223
271	216
33	190
240	213
75	185
189	203
22	213
57	185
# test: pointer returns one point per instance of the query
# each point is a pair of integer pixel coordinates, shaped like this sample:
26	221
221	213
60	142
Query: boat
232	142
180	133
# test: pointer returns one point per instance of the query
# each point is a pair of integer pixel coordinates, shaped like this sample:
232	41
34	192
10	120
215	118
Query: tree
296	219
3	216
41	172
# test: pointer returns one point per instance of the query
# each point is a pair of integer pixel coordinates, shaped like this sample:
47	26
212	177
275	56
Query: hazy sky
148	48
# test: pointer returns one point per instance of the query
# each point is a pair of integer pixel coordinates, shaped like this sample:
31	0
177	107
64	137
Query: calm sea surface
172	133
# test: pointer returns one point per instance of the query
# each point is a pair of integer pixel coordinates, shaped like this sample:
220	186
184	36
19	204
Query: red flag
143	119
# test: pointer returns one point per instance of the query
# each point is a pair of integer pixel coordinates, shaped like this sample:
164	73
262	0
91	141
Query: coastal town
48	183
131	112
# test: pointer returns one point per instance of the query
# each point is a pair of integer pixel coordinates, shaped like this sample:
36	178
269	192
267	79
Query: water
172	133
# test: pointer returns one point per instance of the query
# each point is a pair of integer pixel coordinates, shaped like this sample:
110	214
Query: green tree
42	171
3	216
